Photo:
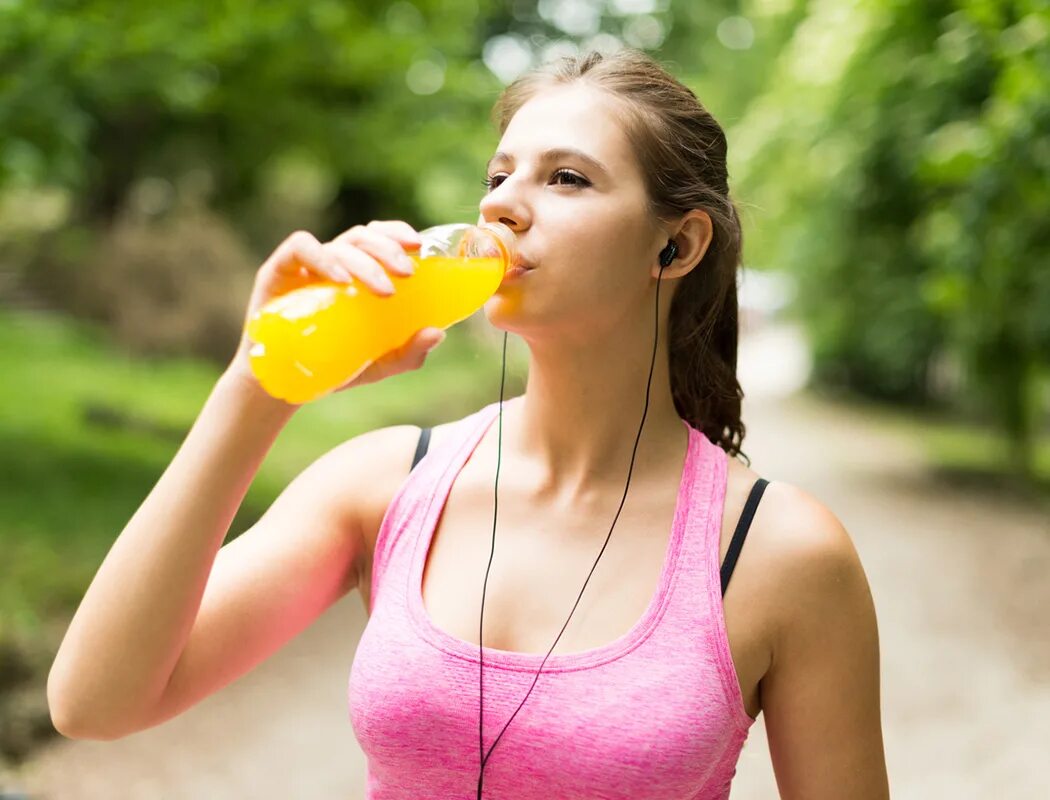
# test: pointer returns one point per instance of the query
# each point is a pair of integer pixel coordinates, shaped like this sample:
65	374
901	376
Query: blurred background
891	160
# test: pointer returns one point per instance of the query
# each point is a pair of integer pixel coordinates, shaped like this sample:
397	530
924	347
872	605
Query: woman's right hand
364	254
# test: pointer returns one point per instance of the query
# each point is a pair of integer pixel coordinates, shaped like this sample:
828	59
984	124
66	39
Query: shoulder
440	434
821	695
385	454
358	471
806	531
376	452
377	463
811	558
792	524
799	559
820	614
369	469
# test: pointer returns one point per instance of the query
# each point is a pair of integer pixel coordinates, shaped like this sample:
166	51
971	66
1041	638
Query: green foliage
171	284
261	118
97	95
905	167
359	109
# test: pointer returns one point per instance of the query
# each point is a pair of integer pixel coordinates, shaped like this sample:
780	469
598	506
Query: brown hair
682	151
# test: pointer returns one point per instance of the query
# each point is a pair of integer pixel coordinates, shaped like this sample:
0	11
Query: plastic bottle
316	338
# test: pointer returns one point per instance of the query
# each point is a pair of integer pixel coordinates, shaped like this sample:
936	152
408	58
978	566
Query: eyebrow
555	154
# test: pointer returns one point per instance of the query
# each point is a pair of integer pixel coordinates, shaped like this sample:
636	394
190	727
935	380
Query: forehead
574	116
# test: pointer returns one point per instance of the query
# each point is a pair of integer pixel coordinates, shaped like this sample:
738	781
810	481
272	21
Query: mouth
519	266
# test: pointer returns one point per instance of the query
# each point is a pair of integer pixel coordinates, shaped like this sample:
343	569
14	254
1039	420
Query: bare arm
821	695
117	669
274	580
136	616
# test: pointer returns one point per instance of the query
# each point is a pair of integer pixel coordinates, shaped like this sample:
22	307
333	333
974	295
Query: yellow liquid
316	338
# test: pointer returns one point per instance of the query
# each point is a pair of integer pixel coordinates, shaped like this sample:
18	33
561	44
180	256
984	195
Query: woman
614	178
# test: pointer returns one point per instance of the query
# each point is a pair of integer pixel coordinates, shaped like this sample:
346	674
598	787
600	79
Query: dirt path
959	580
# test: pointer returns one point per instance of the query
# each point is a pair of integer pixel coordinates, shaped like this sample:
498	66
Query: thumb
432	337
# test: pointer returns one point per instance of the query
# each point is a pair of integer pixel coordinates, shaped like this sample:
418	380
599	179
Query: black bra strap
421	448
740	533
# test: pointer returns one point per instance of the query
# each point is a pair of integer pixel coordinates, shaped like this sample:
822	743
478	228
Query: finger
412	353
427	339
385	250
302	251
362	267
416	349
399	230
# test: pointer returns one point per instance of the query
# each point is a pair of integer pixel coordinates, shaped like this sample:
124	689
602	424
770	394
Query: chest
543	556
542	559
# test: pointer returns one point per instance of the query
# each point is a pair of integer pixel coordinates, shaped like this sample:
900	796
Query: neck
574	429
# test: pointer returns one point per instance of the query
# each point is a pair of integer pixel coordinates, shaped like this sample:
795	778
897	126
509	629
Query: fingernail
407	264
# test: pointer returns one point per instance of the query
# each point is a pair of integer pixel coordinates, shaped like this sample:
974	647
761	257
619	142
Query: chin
532	325
503	311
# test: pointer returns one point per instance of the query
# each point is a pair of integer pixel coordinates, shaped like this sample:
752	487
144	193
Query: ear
693	236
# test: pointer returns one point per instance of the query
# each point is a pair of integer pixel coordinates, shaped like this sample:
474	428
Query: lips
516	269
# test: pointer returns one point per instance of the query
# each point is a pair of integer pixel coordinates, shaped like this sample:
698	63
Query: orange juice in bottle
316	338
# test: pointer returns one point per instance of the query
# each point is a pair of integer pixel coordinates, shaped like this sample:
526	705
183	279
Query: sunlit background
891	160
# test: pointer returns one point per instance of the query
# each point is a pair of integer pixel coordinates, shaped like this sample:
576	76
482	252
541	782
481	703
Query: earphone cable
481	669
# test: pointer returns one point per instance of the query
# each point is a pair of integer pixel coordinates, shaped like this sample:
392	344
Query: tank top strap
694	623
699	517
409	506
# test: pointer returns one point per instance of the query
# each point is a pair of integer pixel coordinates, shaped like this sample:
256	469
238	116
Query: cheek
609	255
593	268
597	286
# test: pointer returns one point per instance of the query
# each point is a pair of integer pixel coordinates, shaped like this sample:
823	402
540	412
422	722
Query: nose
505	204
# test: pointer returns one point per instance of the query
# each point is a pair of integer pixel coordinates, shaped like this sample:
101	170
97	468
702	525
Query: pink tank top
657	713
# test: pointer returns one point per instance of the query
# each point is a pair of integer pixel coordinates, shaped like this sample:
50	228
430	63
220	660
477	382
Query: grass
86	431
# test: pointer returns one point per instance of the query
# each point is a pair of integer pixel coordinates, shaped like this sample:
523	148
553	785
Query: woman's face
565	180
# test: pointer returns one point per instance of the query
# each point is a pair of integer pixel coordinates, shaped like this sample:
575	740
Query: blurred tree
280	115
98	95
902	156
386	102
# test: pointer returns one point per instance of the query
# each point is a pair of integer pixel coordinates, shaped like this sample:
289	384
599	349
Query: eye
490	182
562	177
572	177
